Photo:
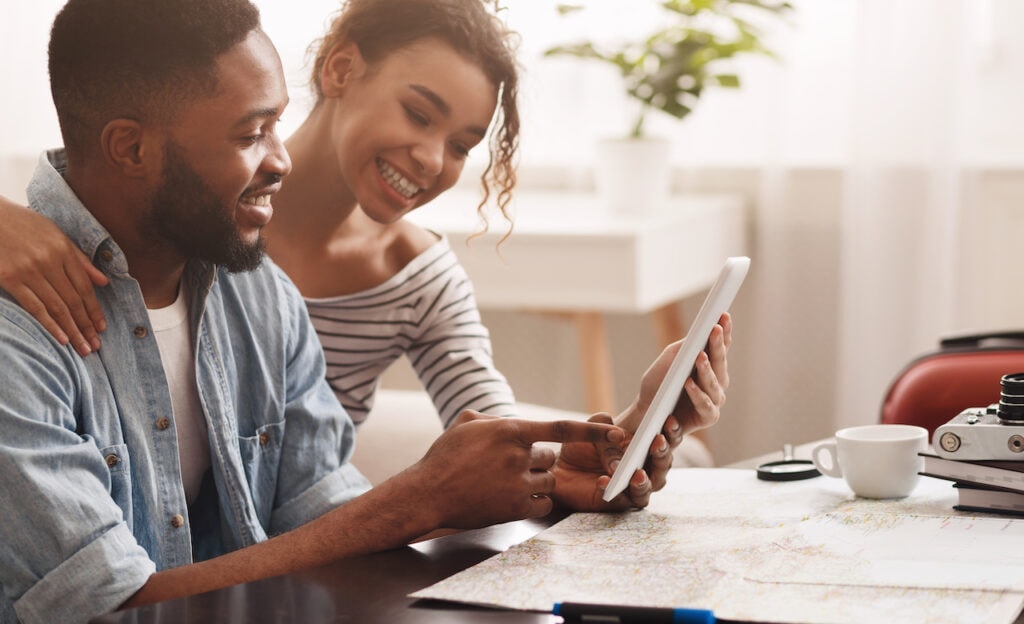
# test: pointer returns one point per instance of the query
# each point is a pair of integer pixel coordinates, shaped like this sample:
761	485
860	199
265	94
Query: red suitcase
964	372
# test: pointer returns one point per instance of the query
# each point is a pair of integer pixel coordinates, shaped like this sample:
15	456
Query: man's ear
344	61
127	147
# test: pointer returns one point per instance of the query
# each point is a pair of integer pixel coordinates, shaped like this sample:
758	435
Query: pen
615	614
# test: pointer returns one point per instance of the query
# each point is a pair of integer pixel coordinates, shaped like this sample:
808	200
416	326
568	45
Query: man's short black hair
137	59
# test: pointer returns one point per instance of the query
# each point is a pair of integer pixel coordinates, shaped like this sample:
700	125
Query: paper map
802	551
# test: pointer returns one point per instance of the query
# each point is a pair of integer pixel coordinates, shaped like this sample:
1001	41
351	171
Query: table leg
668	324
595	362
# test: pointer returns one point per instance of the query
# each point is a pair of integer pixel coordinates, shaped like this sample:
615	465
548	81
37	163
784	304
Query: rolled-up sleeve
96	579
67	553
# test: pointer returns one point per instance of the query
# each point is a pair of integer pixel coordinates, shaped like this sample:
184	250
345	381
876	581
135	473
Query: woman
405	89
404	92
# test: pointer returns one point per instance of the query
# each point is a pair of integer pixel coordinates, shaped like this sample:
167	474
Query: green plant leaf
565	9
728	80
669	69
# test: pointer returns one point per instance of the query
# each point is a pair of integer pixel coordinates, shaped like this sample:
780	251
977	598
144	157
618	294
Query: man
201	447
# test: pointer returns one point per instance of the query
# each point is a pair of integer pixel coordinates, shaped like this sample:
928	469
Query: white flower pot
632	176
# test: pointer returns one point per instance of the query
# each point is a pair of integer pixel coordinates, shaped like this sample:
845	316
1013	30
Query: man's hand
485	470
583	471
50	277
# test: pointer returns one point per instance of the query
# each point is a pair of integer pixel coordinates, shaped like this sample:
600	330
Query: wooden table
363	590
366	590
569	257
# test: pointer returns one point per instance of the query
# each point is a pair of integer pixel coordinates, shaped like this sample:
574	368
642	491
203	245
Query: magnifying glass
787	469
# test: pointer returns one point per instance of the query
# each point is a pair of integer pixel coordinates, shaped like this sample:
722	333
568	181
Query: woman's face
403	126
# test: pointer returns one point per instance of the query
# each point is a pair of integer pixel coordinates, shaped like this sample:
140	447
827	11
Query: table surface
368	589
372	588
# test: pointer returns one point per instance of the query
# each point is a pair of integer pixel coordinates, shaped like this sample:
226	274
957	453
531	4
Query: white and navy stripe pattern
427	311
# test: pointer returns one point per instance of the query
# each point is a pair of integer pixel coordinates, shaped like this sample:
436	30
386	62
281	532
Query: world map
801	551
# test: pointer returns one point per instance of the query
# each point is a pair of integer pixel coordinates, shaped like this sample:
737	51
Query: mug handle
832	468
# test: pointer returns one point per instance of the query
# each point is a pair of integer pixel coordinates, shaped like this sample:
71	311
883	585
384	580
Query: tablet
717	302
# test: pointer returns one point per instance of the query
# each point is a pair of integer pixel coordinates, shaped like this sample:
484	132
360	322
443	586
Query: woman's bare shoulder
407	242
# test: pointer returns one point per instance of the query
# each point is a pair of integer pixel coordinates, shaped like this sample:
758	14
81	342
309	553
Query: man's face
222	161
186	213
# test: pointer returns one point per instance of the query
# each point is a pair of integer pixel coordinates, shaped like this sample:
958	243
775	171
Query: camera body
980	433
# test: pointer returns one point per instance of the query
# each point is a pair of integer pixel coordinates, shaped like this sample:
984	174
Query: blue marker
614	614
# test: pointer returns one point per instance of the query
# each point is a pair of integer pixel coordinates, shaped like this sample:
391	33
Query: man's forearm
388	516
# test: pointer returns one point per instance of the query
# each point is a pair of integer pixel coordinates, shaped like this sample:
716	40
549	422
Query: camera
995	432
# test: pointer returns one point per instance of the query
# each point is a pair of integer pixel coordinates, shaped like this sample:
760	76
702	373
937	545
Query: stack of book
995	486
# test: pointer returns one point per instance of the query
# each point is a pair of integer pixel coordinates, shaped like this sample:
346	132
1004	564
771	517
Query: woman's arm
50	277
452	352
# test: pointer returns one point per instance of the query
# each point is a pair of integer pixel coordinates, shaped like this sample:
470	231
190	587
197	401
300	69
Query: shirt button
264	438
177	521
106	255
162	423
112	460
141	332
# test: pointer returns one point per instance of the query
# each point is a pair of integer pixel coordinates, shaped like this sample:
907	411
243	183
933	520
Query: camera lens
1011	398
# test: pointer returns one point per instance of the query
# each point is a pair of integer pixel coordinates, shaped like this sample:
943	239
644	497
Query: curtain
911	191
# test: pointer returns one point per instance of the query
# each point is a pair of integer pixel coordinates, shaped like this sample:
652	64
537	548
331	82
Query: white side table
568	256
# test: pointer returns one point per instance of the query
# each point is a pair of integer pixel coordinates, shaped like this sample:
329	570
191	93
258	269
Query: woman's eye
416	116
460	149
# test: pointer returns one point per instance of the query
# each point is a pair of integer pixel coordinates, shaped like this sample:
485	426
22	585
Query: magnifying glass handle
787	452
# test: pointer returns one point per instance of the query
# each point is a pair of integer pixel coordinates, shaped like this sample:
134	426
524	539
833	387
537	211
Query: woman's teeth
400	183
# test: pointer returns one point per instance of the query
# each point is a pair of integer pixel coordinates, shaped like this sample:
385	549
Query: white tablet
717	302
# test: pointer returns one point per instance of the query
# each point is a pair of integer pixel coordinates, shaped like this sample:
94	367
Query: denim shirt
89	471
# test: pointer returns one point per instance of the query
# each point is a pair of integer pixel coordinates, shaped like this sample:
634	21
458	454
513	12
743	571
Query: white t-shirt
174	339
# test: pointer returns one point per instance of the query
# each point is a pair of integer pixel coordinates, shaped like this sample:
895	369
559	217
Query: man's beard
185	213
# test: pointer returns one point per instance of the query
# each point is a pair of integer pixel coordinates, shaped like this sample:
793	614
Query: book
987	499
1006	474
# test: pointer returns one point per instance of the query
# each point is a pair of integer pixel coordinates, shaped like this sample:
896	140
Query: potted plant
667	72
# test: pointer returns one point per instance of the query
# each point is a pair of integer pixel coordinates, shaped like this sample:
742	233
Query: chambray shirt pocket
120	467
261	456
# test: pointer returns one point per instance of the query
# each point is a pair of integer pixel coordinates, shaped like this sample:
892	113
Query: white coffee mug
877	461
